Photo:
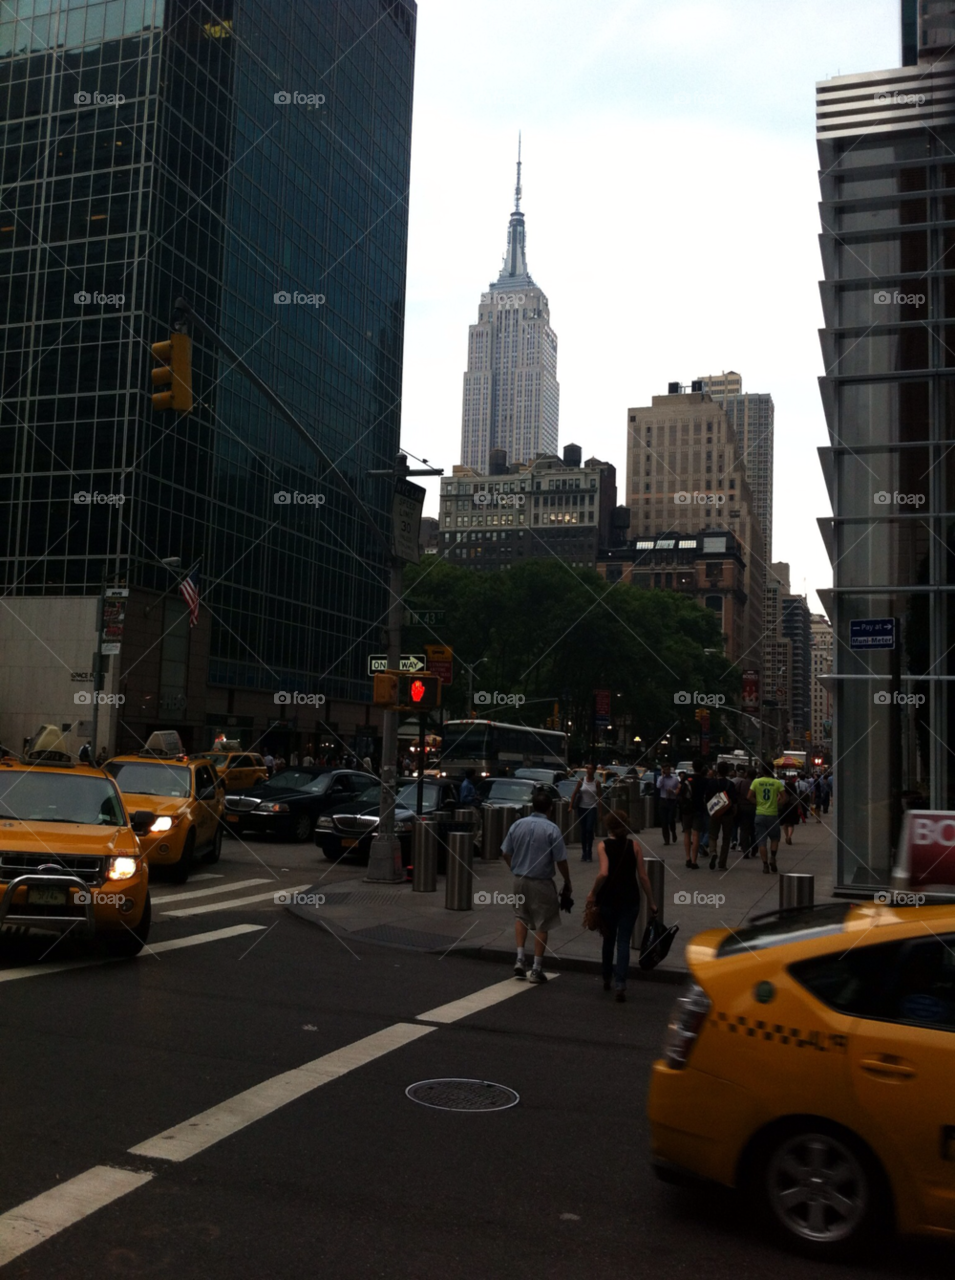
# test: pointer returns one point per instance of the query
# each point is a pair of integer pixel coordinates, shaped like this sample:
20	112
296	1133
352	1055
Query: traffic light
173	377
419	693
818	760
385	690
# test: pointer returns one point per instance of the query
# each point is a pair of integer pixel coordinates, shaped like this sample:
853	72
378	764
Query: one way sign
410	662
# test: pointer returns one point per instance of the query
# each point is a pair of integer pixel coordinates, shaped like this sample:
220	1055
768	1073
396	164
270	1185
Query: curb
572	964
501	955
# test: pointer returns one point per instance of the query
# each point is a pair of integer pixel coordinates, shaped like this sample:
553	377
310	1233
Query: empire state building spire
511	394
514	272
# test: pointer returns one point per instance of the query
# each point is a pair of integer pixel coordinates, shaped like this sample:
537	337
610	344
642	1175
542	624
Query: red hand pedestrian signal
422	692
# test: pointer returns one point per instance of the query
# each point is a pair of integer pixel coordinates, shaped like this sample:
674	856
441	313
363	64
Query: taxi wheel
823	1192
213	854
131	941
179	871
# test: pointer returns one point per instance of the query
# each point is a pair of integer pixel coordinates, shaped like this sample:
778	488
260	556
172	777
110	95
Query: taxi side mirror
141	821
209	793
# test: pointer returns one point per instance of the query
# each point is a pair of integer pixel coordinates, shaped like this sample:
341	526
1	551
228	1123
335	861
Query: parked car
567	787
552	776
289	803
515	791
347	829
187	799
809	1064
70	854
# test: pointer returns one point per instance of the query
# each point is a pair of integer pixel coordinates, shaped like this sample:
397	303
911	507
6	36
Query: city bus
490	748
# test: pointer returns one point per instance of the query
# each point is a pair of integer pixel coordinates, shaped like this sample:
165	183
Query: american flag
190	593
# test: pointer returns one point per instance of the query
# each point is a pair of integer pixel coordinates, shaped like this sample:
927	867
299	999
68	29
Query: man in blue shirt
533	849
468	794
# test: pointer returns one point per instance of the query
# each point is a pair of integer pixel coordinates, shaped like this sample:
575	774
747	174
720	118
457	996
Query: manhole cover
463	1095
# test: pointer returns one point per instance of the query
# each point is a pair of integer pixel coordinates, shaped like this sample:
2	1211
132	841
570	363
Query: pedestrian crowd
727	808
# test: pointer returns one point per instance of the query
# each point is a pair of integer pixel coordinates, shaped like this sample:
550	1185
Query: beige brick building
684	475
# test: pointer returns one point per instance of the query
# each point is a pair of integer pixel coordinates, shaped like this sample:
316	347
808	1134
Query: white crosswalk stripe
235	903
207	893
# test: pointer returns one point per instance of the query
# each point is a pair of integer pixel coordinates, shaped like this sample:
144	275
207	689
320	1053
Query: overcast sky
670	190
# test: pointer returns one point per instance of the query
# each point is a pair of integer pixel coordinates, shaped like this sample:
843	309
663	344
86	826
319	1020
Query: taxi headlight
122	868
166	823
686	1020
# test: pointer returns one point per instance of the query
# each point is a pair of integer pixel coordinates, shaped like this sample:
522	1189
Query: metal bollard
656	871
425	867
509	815
493	824
562	815
635	806
796	889
458	891
647	803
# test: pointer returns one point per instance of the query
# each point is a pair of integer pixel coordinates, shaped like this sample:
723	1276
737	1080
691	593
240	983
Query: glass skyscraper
255	159
887	158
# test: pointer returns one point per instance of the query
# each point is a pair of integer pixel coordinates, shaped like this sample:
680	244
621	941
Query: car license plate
349	844
47	897
232	817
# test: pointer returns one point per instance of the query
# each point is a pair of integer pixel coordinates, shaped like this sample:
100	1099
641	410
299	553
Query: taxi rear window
789	926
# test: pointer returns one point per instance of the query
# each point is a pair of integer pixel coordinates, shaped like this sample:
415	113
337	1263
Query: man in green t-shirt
765	791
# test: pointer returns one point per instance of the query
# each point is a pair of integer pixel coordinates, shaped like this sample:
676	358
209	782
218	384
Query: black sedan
346	830
289	803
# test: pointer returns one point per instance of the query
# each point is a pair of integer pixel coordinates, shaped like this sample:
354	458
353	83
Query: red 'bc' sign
927	847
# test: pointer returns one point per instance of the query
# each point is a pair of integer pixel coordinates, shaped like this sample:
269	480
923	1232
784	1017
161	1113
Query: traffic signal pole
384	858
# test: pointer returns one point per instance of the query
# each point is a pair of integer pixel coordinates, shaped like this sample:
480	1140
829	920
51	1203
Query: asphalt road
108	1066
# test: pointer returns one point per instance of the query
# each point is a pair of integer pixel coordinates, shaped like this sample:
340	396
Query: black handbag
656	943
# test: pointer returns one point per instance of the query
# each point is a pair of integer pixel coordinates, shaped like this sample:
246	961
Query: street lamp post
471	681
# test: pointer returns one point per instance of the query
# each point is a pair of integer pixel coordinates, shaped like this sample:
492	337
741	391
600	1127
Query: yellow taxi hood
166	805
63	838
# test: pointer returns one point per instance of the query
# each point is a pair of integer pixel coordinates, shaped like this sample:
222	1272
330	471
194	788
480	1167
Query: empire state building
511	393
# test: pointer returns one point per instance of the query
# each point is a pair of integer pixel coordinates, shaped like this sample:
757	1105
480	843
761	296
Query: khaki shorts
540	910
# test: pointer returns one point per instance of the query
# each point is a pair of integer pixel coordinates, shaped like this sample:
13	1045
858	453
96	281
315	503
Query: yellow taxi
70	859
237	769
810	1063
185	796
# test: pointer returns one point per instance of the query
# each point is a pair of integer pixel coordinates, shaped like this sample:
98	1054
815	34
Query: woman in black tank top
616	893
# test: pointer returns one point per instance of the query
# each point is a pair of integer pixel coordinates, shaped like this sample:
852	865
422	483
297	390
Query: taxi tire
877	1215
213	854
130	942
179	871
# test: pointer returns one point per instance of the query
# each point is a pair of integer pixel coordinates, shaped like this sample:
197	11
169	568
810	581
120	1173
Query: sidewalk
395	915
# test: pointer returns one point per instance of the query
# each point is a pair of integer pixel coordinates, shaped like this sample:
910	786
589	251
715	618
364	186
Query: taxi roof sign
164	742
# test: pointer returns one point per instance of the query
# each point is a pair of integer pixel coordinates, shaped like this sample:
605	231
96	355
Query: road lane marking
194	940
47	1214
206	893
477	1001
207	875
209	1127
234	903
